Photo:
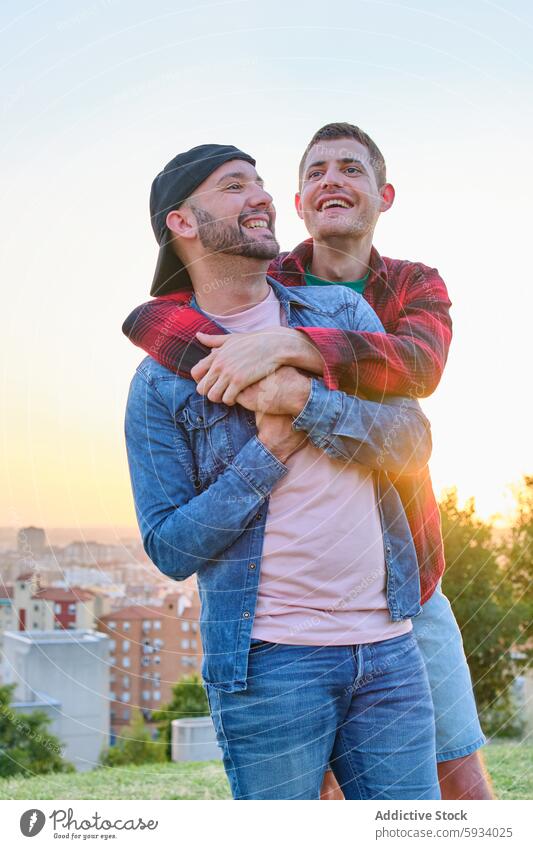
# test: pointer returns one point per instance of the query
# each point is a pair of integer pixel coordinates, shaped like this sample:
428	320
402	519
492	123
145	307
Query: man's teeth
254	224
329	203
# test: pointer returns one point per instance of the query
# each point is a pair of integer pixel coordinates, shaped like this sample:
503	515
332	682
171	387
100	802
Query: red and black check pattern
412	302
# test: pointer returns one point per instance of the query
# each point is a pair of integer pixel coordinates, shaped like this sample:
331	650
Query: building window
185	644
72	608
194	626
57	608
157	625
126	626
126	681
146	695
125	697
185	626
158	644
157	659
147	625
111	624
125	645
112	645
157	695
145	661
126	662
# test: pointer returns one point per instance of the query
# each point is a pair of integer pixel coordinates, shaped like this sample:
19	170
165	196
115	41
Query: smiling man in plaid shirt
343	190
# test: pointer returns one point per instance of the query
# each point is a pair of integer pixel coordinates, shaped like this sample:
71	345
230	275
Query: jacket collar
285	295
299	259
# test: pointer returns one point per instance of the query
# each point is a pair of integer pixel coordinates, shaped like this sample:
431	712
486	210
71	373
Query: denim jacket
202	479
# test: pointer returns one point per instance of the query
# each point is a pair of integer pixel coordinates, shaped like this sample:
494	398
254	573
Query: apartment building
151	649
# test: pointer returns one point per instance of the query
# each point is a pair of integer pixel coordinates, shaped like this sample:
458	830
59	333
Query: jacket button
199	418
246	614
252	566
258	516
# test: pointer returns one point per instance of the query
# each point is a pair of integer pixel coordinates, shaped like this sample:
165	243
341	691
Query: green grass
510	765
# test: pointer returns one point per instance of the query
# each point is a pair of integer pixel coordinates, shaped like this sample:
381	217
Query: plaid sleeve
166	329
408	361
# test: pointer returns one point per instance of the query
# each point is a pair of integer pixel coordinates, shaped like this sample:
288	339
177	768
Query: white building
66	674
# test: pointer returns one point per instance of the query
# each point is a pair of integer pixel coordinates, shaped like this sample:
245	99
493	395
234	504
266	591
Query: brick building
151	649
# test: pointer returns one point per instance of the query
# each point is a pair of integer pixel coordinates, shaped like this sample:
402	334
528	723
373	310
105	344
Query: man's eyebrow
346	160
239	175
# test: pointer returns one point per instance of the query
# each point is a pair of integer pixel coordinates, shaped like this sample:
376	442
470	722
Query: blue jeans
364	709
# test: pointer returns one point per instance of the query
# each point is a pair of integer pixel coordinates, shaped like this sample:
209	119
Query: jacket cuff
321	339
259	467
320	414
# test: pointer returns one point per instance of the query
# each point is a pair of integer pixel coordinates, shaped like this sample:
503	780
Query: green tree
26	745
518	554
134	746
489	609
188	700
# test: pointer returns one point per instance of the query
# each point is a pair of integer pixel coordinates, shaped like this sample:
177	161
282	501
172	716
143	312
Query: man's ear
182	223
387	195
298	204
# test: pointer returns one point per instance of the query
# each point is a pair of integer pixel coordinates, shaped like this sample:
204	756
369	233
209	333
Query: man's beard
219	237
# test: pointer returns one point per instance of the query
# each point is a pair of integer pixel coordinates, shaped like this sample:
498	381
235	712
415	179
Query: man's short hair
343	130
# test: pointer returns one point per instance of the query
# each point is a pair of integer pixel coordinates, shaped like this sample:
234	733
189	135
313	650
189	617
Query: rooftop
59	594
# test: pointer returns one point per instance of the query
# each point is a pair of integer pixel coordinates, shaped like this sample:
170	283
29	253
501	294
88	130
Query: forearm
379	363
394	436
189	536
165	329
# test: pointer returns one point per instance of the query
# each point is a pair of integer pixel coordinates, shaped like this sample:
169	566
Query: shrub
134	746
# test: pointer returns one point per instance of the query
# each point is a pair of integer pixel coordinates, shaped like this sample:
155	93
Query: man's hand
276	434
285	392
238	360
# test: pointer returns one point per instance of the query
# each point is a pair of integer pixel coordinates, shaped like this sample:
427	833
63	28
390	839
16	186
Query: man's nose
260	197
331	177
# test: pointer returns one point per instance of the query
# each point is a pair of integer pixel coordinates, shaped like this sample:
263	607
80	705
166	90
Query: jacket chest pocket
208	426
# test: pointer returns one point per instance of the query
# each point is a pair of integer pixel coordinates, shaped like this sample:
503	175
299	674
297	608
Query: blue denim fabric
365	709
439	640
201	481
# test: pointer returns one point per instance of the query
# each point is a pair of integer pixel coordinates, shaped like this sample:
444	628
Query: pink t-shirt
323	573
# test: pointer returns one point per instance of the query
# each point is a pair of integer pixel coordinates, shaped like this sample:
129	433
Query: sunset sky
97	96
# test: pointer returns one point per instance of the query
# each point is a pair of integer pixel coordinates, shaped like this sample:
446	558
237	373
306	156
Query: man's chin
259	249
335	230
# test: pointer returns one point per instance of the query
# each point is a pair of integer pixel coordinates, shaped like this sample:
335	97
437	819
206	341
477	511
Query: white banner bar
179	824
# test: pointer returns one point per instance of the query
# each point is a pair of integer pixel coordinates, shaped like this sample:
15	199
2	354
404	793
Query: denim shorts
458	732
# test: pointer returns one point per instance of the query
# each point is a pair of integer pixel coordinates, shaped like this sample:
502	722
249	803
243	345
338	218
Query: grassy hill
510	764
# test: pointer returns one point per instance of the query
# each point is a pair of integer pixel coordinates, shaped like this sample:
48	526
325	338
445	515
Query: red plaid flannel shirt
412	302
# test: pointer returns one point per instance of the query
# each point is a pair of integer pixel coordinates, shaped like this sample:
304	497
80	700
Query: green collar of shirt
355	285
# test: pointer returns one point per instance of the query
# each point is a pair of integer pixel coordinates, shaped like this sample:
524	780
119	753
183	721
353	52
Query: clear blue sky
97	96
